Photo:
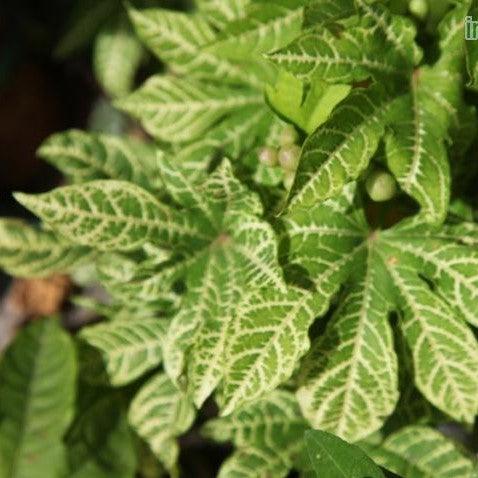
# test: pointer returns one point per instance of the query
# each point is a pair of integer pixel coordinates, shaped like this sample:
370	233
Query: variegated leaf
159	413
221	12
451	266
112	215
416	152
27	251
126	349
178	110
421	452
445	352
266	339
140	284
341	148
268	436
82	156
179	39
264	29
352	380
355	55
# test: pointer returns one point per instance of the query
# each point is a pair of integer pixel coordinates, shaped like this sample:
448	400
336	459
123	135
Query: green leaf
179	110
355	55
445	260
329	244
266	27
82	157
341	148
267	338
127	349
159	413
397	31
244	256
100	443
335	458
37	386
267	436
27	251
140	284
287	98
416	152
445	351
111	215
347	361
179	39
353	357
321	13
116	57
220	12
421	452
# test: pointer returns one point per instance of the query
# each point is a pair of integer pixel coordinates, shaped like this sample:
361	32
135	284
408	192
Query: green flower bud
381	186
288	181
418	8
289	157
268	156
288	136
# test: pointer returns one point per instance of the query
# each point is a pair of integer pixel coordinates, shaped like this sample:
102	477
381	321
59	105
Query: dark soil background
38	94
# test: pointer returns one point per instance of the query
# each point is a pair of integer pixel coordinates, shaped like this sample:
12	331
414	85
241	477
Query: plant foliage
243	260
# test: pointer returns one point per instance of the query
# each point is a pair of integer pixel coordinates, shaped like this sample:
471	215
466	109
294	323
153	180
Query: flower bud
268	156
289	157
381	186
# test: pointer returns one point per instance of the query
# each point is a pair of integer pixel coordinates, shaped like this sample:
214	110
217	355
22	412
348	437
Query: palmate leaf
159	413
82	156
37	385
346	363
116	57
265	28
341	148
127	349
112	215
179	110
421	452
268	436
415	149
244	256
26	251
